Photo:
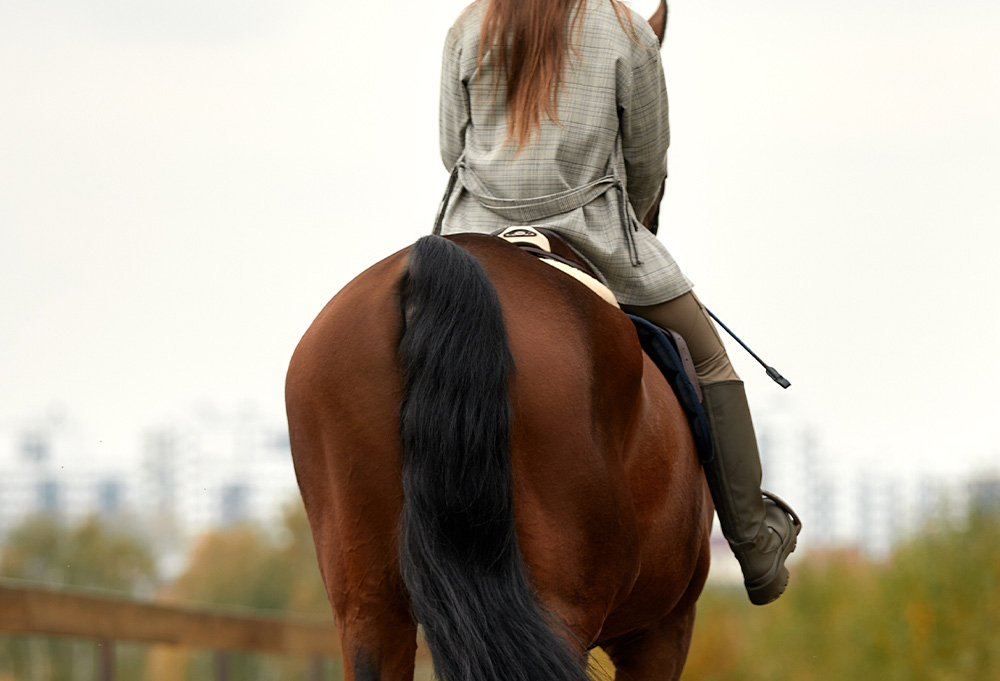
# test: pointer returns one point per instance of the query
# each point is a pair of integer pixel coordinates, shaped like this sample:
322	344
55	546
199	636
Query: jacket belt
531	210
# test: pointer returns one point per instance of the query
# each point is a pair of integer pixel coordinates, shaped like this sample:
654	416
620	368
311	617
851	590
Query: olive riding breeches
687	316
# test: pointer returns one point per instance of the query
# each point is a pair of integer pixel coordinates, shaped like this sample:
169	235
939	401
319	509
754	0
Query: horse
483	448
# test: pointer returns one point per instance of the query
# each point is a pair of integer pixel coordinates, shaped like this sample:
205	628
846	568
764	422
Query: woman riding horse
481	445
550	110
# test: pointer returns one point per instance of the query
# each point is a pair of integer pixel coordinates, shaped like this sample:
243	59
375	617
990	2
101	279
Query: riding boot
760	527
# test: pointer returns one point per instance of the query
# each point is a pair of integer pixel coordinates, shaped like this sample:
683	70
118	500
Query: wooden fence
37	611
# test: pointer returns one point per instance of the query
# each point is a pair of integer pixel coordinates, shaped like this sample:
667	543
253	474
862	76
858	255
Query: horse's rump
607	494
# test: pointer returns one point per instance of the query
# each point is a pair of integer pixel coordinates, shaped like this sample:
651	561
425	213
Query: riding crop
771	371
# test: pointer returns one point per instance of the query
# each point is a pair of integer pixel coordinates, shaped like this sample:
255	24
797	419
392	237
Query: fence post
317	668
221	665
103	621
106	659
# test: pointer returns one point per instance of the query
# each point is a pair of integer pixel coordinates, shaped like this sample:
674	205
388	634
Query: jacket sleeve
453	108
645	126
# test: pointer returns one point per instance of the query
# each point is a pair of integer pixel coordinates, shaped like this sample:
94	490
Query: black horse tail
458	549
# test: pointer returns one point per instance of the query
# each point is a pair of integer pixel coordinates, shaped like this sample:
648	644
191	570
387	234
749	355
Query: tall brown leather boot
760	527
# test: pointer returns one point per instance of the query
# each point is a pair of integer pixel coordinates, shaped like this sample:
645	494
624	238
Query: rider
549	111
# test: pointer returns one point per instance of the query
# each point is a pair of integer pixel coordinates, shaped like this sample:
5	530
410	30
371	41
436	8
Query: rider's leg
761	531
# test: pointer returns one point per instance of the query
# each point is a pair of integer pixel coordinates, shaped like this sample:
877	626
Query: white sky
184	183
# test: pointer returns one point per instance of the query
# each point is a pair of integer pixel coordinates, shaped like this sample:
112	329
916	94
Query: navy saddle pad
661	349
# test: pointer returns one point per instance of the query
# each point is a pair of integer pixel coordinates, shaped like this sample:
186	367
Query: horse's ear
659	21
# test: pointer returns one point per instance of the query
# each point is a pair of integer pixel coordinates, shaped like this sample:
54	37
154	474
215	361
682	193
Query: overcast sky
184	183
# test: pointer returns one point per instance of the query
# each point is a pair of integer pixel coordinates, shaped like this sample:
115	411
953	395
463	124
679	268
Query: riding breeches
688	317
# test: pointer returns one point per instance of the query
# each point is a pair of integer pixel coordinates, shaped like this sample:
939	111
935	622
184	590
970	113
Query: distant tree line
929	613
240	567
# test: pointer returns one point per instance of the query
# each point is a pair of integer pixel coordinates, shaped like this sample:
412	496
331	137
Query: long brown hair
528	41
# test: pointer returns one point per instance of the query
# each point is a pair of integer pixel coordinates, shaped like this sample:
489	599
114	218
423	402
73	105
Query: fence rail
32	610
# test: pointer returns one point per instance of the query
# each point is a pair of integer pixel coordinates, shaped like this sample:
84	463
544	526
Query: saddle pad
661	349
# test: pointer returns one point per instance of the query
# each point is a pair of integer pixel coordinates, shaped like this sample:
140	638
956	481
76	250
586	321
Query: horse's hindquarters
601	508
342	398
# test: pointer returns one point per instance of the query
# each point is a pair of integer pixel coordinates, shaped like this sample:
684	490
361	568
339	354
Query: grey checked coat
572	177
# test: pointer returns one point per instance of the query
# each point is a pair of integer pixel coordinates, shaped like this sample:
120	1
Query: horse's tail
458	549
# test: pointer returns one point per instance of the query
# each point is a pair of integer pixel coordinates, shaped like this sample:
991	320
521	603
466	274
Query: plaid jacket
573	177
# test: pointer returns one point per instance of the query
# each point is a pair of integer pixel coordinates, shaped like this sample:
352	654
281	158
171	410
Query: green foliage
234	567
93	553
931	613
244	567
240	567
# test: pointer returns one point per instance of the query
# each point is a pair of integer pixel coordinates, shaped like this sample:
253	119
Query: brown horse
484	449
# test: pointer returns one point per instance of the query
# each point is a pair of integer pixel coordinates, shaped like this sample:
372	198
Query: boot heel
768	593
762	594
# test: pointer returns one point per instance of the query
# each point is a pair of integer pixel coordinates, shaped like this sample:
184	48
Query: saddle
665	347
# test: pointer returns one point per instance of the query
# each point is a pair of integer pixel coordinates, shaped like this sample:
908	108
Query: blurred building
871	508
207	470
213	468
46	466
984	494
